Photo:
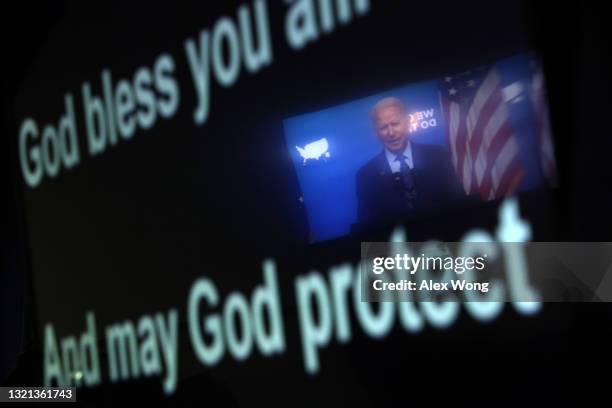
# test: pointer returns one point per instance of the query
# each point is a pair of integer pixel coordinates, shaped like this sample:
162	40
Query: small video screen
419	149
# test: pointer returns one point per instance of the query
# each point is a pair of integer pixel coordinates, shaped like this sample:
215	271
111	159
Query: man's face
390	123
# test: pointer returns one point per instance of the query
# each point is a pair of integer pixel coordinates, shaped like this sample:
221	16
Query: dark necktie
407	182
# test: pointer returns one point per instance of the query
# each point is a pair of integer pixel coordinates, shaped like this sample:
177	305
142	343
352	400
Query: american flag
484	150
537	93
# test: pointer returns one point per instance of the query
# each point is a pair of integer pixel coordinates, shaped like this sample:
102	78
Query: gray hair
386	102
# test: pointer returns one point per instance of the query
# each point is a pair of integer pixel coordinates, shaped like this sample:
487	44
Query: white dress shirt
394	165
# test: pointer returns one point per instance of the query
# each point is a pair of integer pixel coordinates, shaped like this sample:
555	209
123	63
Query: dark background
159	205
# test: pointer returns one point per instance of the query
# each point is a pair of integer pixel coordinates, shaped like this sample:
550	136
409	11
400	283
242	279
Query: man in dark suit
406	179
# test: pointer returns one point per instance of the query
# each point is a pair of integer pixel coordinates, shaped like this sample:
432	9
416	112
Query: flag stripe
484	150
512	178
503	135
493	119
